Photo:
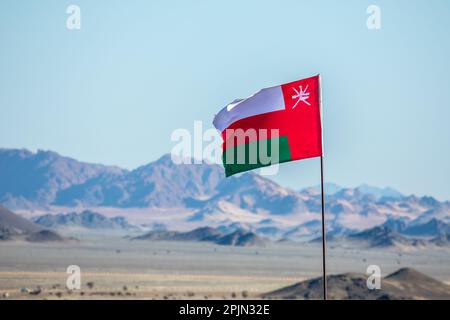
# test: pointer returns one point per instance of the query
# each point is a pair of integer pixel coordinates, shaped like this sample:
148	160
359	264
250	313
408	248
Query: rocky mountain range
35	179
247	202
238	237
86	219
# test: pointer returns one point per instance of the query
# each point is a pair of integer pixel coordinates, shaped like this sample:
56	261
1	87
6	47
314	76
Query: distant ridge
86	219
385	237
241	238
29	180
380	193
237	238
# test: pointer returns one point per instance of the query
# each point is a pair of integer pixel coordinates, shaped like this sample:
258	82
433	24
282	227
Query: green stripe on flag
256	154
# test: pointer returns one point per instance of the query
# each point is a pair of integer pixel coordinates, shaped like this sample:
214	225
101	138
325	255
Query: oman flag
274	125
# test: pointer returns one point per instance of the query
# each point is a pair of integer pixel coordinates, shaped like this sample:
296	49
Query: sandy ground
120	268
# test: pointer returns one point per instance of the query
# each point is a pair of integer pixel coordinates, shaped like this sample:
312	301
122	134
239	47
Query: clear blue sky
114	91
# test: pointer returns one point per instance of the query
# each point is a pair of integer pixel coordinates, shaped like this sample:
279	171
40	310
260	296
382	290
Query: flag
274	125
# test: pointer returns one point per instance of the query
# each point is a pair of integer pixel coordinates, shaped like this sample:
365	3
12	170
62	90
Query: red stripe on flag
300	121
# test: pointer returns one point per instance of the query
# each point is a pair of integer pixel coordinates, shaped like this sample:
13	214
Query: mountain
236	238
329	188
441	240
254	193
199	234
241	238
305	231
385	237
86	219
247	198
31	179
432	228
12	225
45	179
158	184
376	192
272	232
379	193
47	236
28	179
396	224
439	211
49	178
405	283
234	226
399	232
408	282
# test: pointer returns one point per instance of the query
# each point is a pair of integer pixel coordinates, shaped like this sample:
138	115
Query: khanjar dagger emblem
301	95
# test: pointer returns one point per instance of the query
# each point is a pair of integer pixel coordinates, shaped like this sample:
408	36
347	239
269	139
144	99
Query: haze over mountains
246	202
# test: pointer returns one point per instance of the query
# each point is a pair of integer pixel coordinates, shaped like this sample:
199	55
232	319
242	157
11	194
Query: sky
113	91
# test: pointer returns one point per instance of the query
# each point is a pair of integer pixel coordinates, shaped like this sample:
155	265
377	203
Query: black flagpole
324	275
324	236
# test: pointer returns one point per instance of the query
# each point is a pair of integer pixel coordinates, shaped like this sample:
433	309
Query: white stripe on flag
264	101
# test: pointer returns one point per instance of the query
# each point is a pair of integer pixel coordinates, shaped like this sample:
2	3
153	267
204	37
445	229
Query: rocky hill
12	224
14	227
405	283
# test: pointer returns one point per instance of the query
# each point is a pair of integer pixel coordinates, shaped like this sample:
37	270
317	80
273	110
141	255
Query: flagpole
324	270
324	237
